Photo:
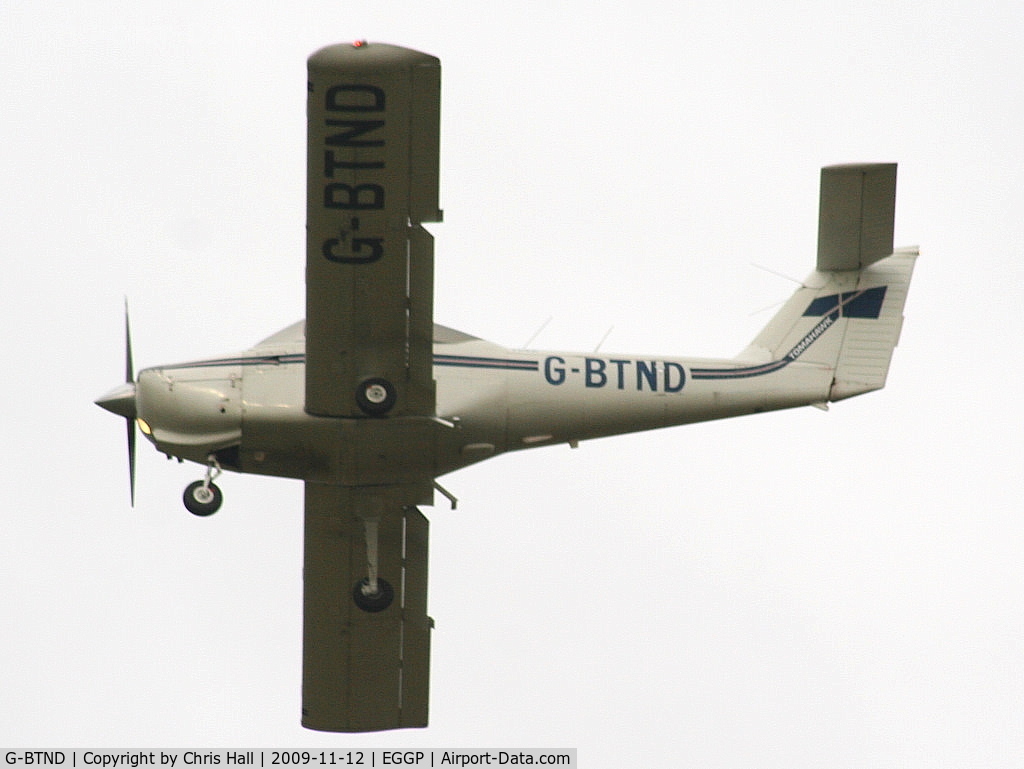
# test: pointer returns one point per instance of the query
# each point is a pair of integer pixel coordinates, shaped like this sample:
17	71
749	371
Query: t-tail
856	294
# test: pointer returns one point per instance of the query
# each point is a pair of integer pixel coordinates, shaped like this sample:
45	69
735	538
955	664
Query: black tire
376	396
373	603
196	502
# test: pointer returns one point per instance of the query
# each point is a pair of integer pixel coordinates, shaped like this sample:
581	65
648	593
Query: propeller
121	401
129	378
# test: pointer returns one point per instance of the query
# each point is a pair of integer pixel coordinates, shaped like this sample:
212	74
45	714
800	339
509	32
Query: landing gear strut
372	594
203	498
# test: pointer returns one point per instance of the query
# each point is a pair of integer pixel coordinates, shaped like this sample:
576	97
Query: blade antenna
777	274
607	334
536	333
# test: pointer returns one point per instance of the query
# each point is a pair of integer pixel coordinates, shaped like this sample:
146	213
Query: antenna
779	274
606	335
536	333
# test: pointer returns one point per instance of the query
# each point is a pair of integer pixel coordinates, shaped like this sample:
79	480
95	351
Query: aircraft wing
363	671
373	117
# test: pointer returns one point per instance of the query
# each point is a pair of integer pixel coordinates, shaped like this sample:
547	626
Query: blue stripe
738	373
462	361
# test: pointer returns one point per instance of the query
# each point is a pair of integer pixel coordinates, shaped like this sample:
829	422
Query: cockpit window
445	335
294	334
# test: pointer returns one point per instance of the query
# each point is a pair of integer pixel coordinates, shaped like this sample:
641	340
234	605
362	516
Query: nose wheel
203	497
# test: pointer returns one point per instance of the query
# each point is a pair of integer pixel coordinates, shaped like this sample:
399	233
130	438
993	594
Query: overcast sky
797	589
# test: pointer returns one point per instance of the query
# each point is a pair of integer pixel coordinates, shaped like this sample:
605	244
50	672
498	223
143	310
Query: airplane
369	402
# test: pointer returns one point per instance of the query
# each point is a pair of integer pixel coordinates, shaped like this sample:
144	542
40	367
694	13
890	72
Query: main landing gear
203	498
376	396
370	601
372	594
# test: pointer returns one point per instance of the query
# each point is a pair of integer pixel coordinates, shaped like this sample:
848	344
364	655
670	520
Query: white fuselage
248	408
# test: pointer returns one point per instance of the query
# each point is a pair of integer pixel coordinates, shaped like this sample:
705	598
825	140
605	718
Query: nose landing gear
203	497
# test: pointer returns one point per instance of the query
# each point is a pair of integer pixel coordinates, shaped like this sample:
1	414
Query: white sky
791	590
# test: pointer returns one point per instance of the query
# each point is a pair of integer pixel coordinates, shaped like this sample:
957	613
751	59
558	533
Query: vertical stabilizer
847	316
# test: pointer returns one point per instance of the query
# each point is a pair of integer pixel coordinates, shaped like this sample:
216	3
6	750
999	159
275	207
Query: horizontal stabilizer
856	215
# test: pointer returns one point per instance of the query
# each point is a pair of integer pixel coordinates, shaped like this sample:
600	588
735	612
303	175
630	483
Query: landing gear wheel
376	396
202	499
374	602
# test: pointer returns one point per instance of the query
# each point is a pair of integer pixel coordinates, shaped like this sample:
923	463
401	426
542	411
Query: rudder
870	337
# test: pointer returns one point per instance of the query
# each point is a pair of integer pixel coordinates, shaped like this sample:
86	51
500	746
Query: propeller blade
131	458
129	377
121	401
129	368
